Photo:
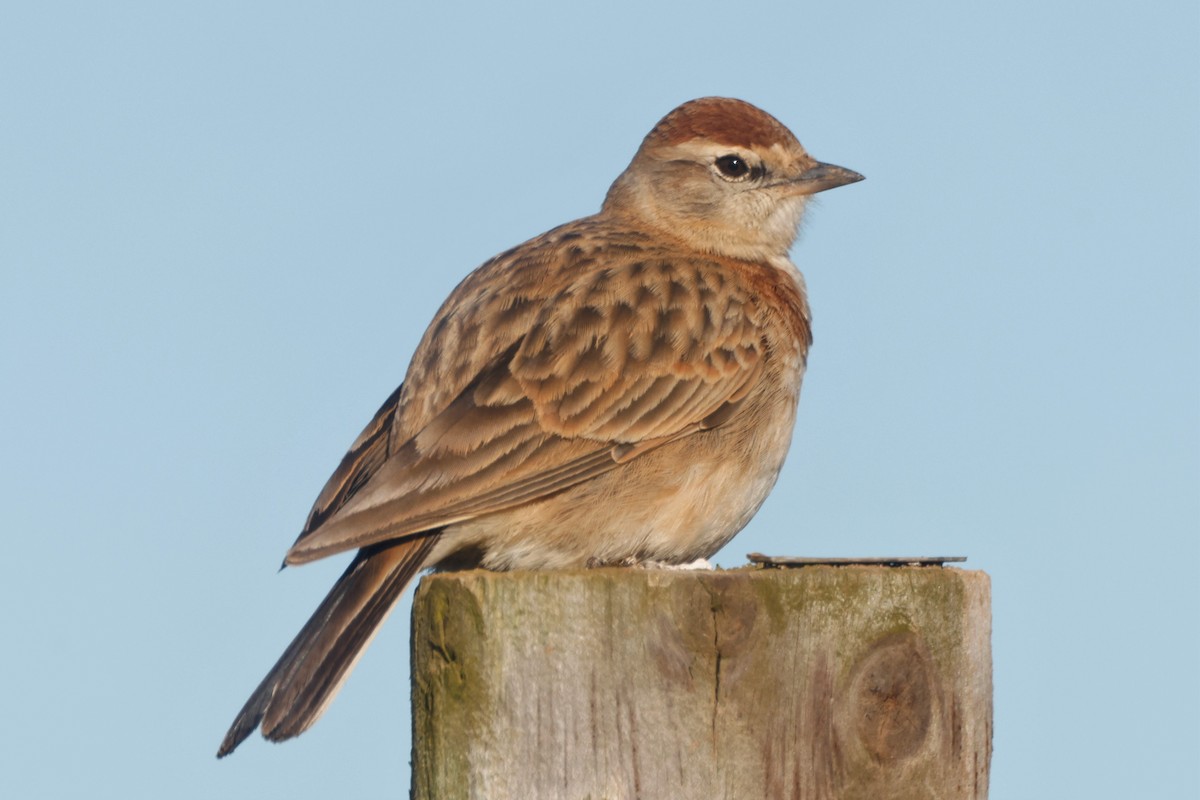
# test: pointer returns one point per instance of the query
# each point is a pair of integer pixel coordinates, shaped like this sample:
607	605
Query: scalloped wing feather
617	360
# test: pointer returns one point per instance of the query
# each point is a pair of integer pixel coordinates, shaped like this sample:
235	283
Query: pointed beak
820	177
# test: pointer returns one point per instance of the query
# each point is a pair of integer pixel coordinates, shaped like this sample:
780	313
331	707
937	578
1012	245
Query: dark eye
732	166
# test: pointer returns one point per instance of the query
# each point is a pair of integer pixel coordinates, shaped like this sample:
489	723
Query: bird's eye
733	167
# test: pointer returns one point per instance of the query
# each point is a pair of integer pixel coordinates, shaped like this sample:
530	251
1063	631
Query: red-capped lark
618	390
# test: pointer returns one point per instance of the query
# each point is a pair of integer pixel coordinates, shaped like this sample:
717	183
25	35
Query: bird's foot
699	563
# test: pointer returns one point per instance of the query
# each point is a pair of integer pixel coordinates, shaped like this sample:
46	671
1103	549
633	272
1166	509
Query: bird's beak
820	177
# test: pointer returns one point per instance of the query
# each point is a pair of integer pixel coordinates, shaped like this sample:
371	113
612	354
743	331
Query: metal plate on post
760	560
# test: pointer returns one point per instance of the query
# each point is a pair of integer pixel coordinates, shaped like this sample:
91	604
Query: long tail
309	673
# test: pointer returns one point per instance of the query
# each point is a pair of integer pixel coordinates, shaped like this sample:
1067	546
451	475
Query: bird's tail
312	669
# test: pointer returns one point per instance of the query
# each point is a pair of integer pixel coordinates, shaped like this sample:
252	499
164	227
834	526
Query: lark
619	390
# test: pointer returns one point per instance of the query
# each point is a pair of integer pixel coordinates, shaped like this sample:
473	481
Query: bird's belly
676	504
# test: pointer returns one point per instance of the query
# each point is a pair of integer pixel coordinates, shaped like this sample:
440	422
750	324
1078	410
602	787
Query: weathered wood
818	683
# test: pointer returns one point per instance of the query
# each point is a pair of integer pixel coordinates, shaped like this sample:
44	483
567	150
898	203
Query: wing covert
619	361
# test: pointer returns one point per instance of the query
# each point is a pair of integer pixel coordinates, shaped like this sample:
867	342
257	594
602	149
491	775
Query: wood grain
821	683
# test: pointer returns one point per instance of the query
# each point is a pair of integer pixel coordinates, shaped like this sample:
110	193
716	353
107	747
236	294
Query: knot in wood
891	697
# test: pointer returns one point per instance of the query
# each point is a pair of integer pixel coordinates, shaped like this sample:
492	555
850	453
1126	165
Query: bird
620	390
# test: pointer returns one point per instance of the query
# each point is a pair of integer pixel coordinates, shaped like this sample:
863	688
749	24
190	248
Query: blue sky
224	226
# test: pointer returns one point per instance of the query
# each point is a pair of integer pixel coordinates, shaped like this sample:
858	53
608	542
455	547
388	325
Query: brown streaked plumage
644	362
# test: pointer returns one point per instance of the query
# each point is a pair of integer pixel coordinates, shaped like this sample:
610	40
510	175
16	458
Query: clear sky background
224	227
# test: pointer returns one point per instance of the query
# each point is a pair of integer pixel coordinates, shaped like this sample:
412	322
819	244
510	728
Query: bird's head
725	177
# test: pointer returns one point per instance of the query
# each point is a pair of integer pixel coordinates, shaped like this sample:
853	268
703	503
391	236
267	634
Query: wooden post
814	683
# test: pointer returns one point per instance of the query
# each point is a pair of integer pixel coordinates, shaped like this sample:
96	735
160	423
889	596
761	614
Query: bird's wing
362	460
619	361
